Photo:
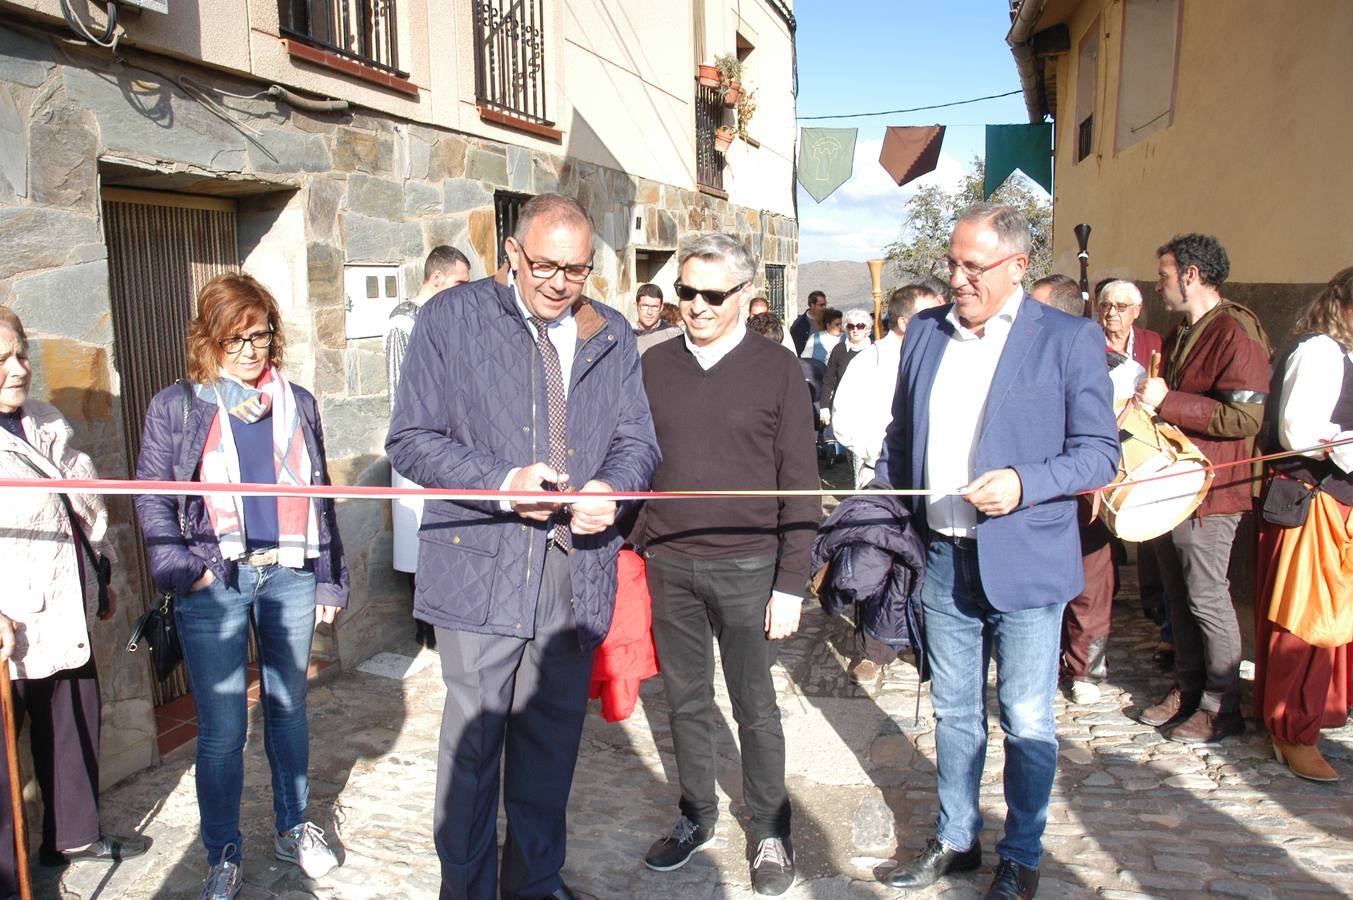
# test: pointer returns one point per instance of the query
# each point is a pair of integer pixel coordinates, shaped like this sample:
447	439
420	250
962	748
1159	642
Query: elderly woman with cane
273	564
56	580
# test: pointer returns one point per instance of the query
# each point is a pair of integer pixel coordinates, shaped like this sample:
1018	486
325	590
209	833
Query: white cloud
866	212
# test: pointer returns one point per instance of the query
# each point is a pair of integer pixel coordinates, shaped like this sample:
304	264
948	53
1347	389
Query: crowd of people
998	408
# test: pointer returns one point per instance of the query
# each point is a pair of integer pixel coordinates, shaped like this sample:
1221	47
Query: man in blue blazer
1003	410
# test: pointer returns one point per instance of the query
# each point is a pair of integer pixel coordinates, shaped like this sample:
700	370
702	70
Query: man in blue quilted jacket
518	382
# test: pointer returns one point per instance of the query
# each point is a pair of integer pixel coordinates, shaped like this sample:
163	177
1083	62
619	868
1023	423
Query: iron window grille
775	290
361	30
509	57
506	210
708	161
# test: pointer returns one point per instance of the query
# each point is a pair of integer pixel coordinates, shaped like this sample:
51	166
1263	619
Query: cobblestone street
1132	815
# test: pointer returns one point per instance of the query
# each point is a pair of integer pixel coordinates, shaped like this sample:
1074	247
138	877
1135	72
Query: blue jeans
213	627
963	631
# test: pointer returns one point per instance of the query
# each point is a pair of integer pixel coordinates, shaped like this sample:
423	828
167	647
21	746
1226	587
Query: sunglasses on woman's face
686	293
858	326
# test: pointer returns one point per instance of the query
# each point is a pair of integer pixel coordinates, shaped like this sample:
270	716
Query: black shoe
108	848
935	861
673	851
1012	882
773	867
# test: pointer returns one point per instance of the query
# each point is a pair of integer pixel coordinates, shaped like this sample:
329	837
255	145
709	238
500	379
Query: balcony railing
708	115
509	55
361	30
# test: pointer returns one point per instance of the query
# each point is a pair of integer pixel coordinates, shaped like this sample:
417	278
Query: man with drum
1212	387
1003	410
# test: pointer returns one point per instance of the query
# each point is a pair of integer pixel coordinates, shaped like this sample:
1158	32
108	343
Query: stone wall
315	192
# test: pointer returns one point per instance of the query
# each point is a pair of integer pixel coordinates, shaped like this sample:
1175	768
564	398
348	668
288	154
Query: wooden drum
1141	503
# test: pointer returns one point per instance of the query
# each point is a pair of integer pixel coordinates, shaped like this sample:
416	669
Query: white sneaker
304	845
1084	693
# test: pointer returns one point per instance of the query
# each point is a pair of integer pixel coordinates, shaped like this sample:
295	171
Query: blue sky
867	55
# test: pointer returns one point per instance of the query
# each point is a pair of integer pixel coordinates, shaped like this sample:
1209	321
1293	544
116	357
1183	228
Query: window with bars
509	56
506	210
361	30
708	161
775	290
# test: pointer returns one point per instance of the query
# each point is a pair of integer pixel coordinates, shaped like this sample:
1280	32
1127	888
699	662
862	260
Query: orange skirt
1303	679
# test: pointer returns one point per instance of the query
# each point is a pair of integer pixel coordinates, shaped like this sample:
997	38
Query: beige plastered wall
614	87
1254	152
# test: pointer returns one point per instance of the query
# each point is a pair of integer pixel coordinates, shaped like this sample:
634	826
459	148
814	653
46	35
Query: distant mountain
846	283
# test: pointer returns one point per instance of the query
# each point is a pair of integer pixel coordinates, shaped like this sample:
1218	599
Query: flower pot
723	139
708	76
732	91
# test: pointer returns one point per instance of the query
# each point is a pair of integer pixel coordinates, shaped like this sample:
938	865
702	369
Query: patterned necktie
557	413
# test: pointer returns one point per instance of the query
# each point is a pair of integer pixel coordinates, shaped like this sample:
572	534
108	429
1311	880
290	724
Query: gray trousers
1193	563
515	705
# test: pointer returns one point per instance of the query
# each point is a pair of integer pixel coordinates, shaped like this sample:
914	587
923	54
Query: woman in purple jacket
274	563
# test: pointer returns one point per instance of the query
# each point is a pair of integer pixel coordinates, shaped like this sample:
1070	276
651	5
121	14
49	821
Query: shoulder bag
156	627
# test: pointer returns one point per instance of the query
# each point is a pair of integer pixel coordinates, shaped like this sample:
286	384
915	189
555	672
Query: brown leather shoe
865	671
1175	707
1305	761
1205	727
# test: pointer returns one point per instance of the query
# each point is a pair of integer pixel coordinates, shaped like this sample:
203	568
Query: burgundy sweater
745	424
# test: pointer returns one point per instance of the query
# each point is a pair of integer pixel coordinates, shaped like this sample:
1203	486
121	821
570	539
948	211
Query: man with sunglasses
518	382
731	412
1003	413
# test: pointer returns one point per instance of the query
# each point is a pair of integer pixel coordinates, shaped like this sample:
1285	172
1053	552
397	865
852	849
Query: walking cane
15	784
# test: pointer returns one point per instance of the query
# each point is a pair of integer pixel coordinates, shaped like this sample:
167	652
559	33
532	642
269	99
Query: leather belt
962	543
264	557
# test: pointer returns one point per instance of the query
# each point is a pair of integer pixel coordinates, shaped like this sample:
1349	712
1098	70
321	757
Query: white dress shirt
563	334
708	355
958	399
1312	382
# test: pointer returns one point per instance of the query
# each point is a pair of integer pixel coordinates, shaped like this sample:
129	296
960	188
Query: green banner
1024	147
826	160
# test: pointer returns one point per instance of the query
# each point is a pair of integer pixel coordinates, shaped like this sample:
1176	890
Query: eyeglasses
858	326
650	307
1120	308
971	272
686	293
576	272
261	340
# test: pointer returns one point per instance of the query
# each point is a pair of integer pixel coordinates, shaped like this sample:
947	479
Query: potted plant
707	75
746	110
723	137
730	78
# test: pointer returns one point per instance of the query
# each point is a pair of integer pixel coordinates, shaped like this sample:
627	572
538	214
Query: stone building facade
307	196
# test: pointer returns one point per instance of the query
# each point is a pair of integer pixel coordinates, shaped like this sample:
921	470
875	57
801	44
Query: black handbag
1287	500
157	630
156	627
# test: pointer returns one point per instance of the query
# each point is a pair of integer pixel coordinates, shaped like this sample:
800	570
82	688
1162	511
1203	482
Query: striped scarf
297	532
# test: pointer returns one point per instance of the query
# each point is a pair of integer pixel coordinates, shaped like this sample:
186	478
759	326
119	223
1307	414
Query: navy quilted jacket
875	558
171	452
470	407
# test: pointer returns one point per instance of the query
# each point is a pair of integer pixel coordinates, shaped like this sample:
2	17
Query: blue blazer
1049	416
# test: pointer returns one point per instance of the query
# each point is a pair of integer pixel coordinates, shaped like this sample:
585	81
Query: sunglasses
686	293
858	326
